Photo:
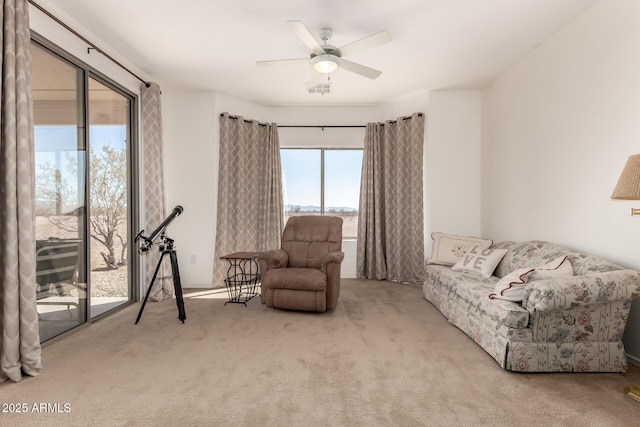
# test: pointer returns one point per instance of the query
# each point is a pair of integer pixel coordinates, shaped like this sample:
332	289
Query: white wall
557	129
190	174
453	163
405	106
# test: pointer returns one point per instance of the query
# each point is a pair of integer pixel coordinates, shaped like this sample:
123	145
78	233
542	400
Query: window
322	181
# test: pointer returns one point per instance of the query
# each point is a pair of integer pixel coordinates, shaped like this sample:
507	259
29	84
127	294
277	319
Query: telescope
147	242
166	248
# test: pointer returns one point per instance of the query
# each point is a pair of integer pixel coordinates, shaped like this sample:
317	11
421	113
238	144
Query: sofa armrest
276	258
569	292
331	257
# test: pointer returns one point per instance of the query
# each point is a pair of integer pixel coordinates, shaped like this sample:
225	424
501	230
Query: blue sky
301	177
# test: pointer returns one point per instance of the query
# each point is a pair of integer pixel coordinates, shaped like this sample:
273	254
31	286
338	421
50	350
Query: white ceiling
213	44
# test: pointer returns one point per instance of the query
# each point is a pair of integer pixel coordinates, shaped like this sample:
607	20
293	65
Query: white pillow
511	286
480	260
558	267
449	248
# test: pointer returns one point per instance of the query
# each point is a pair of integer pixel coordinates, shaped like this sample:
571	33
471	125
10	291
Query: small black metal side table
243	276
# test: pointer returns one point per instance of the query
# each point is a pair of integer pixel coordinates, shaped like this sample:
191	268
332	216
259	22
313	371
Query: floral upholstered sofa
572	322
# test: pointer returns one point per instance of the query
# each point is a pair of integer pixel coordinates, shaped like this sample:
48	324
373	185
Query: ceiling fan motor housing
327	49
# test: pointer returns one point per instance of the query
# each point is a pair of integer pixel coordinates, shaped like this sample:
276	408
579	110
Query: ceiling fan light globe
325	64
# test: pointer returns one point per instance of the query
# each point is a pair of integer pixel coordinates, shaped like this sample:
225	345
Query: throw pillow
511	286
558	267
449	248
480	260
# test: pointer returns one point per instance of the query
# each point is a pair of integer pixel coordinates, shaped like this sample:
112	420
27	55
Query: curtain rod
84	39
297	126
318	126
322	126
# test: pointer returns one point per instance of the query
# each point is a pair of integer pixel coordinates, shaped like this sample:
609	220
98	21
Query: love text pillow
480	260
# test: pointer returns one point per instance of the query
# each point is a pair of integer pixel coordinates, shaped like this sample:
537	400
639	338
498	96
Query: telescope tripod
166	248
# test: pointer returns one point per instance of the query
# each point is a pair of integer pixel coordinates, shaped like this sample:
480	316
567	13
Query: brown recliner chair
305	273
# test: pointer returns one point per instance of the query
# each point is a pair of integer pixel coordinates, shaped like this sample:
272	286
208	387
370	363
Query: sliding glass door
61	205
109	130
83	153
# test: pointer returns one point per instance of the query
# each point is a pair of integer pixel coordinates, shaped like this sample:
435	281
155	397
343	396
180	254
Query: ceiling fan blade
362	44
359	69
284	61
315	80
305	35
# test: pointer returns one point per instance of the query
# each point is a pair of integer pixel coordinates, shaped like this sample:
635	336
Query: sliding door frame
133	179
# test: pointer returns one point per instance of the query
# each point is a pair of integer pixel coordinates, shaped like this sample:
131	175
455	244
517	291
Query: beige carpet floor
383	357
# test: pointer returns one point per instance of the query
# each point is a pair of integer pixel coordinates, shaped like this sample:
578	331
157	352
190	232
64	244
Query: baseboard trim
634	360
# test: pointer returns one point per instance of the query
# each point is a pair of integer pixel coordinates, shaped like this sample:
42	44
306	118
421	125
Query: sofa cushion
480	260
502	312
449	248
472	290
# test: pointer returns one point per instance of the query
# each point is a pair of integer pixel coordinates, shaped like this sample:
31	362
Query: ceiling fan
326	58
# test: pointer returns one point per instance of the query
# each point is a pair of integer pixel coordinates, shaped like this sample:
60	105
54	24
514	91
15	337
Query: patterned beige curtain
154	204
390	222
20	340
250	206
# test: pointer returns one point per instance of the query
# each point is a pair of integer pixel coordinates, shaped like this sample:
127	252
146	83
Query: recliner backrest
307	239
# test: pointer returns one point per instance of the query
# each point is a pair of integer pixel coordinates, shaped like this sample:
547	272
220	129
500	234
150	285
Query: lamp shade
628	187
